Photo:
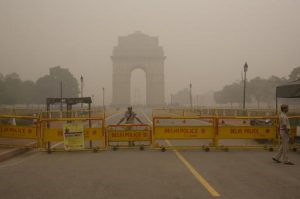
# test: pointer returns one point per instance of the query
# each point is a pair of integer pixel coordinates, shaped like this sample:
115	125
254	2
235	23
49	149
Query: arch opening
138	87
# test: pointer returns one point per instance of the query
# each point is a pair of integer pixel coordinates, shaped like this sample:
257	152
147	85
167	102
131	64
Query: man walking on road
285	127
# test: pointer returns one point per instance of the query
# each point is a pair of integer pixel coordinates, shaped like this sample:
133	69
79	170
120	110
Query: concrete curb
5	155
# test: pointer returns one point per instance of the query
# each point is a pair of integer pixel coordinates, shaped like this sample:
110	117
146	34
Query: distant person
13	121
35	121
285	130
130	118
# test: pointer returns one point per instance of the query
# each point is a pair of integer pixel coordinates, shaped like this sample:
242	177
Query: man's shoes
289	163
276	160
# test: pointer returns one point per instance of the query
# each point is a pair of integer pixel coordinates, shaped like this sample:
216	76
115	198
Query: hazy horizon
205	42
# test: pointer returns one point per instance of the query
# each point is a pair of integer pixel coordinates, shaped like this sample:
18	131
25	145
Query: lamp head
246	67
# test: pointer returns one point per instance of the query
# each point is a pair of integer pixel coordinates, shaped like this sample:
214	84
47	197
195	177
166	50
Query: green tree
28	92
295	74
259	89
1	88
11	87
231	94
49	85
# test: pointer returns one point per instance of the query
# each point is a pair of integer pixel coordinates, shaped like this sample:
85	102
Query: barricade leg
49	147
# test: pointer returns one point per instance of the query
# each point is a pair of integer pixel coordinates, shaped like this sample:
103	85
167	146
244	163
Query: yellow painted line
196	174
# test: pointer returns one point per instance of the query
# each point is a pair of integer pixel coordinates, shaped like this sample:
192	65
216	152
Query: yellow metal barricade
19	131
260	132
183	128
52	131
136	135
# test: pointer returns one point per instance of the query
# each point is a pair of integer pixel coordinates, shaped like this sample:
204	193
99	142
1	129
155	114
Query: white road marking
19	161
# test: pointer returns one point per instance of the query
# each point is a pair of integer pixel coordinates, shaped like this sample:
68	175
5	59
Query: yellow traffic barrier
55	130
262	131
183	128
185	132
19	131
129	133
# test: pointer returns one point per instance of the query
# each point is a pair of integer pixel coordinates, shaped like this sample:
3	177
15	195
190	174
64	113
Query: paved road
149	174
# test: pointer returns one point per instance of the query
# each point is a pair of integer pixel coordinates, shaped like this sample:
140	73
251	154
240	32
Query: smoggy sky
206	42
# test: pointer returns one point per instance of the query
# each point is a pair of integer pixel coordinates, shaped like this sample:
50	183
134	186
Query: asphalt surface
149	174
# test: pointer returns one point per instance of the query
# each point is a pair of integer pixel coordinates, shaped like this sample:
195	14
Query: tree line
13	90
259	90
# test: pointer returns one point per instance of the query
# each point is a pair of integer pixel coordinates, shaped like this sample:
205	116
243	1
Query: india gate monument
142	51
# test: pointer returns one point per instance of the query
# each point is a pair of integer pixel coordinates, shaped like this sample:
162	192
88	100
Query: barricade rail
225	129
19	131
210	111
183	128
76	113
262	129
20	111
205	132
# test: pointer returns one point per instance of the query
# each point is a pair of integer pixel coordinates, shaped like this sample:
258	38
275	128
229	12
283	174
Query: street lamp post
103	98
245	79
61	95
81	88
191	100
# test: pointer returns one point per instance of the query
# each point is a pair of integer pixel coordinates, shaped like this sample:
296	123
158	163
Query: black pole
48	113
191	100
81	89
244	94
61	95
276	101
245	80
103	98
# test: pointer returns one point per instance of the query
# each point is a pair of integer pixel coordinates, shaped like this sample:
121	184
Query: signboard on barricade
246	132
21	132
126	134
129	132
73	136
183	132
56	134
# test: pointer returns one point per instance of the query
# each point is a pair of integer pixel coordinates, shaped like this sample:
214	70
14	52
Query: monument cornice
137	57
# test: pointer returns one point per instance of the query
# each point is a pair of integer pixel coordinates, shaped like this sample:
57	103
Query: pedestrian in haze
130	117
285	133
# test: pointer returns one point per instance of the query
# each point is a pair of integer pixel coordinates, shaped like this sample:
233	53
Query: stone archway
138	50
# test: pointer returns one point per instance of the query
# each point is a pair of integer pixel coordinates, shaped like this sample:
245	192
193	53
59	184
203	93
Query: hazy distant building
134	51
